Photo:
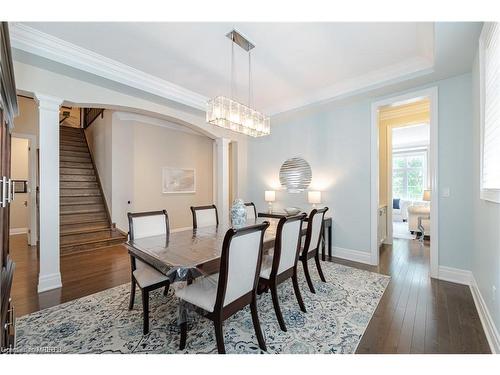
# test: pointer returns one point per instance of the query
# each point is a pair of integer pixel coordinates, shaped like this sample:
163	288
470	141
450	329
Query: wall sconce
314	197
270	196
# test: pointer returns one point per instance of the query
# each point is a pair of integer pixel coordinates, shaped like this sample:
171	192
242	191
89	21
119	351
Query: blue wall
335	139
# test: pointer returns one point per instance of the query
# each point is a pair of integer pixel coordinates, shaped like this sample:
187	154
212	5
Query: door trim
432	94
32	222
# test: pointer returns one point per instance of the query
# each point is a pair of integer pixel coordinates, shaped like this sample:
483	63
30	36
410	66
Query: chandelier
229	113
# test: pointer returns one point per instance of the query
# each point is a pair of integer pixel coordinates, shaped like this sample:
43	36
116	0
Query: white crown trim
39	43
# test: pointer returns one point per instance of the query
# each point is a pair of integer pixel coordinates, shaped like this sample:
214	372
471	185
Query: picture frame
178	180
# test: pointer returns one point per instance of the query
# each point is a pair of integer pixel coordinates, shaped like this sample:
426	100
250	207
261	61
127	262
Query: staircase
84	223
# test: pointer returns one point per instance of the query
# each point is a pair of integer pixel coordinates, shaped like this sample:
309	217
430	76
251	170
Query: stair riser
75	159
84	226
80	165
83	207
74	143
78	185
82	218
76	171
78	154
77	177
82	148
80	193
72	249
80	200
85	237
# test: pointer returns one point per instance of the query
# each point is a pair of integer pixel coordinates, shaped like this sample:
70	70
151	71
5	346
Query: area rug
336	318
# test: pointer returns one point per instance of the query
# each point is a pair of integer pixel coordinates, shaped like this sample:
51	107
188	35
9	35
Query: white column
49	276
222	160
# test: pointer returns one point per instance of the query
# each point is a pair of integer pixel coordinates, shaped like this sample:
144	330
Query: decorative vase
238	213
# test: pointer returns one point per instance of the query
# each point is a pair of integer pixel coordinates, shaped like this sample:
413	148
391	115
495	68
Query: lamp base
270	208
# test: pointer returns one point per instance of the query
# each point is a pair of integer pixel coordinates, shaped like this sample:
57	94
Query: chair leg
165	291
256	324
219	336
276	304
308	277
297	292
145	311
132	294
182	344
318	266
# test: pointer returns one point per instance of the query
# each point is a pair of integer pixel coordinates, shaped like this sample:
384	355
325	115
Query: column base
49	282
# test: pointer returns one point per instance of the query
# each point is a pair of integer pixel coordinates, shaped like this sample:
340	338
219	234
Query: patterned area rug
337	316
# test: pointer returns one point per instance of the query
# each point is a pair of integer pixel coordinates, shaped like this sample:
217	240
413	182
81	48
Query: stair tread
104	235
67	229
83	211
88	230
120	238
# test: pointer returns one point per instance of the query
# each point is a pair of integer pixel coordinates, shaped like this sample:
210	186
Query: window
489	62
409	175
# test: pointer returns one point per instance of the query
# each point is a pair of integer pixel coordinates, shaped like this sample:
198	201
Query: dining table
188	254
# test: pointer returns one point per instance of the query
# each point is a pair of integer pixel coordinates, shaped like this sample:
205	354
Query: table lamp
270	196
314	197
427	195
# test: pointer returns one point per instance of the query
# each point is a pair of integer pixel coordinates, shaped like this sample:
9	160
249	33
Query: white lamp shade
270	195
314	197
427	195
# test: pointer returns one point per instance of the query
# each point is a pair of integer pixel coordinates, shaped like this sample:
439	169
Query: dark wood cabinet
8	109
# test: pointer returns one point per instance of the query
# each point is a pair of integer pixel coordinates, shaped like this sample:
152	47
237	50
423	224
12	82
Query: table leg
323	252
330	240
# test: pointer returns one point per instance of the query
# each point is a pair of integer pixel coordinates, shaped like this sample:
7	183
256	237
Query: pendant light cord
250	91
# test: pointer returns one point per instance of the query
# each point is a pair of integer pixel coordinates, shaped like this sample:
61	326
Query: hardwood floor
82	274
415	315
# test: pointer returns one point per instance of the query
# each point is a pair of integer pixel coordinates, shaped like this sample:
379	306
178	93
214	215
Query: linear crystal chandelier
230	114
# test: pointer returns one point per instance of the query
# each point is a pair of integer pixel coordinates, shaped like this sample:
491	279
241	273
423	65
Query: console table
327	229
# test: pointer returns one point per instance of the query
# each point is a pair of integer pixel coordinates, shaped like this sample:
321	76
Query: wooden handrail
90	114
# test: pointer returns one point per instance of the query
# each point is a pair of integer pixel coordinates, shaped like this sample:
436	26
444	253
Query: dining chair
310	250
282	264
251	211
204	216
146	224
220	296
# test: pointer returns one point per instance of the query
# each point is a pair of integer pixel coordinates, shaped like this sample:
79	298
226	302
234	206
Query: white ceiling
294	64
411	136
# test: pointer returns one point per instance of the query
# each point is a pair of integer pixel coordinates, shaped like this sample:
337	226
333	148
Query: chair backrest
204	216
314	229
287	244
146	224
251	210
240	263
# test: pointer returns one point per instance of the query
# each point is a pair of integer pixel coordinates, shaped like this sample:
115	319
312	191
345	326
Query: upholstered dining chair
251	211
311	245
220	296
146	224
204	216
282	265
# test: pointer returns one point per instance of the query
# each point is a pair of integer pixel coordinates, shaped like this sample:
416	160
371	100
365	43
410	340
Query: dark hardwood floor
82	274
415	315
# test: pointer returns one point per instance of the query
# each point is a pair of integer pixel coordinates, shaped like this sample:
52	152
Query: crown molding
393	74
39	43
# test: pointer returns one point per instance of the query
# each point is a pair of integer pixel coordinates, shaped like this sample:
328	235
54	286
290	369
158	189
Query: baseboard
489	327
455	275
13	231
49	282
180	229
353	255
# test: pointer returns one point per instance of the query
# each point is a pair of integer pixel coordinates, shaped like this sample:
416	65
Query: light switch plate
445	192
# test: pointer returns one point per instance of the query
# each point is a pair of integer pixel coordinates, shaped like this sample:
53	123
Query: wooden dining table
187	254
